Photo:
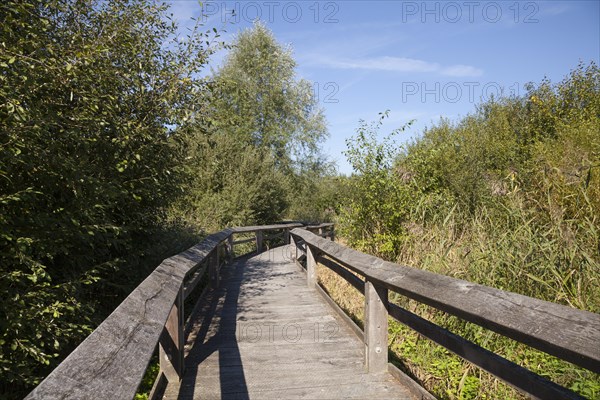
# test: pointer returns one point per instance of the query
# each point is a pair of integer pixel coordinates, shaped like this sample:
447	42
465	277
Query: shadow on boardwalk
265	335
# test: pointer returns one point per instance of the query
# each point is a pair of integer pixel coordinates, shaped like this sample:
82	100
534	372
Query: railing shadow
216	332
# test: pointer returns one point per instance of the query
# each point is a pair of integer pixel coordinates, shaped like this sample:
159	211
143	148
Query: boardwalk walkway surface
267	332
263	334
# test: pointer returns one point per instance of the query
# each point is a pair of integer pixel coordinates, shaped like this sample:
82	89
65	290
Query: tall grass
509	197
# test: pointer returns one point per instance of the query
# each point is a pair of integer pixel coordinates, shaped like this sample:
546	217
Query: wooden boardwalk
267	331
263	334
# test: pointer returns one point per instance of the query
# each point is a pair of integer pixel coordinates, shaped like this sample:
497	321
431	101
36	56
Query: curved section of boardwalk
265	335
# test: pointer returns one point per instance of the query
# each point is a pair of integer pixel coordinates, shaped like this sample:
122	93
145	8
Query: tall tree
261	101
261	135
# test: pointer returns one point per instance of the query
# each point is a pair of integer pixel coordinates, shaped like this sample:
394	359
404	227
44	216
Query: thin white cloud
398	64
461	70
401	64
555	9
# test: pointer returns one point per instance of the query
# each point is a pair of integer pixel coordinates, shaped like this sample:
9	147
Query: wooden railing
110	363
570	334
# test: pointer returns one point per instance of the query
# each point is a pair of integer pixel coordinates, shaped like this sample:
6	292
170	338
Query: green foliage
259	100
87	164
372	218
507	197
254	157
110	144
316	196
148	380
234	184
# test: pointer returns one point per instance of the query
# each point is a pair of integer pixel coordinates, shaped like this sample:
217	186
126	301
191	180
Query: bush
508	197
87	165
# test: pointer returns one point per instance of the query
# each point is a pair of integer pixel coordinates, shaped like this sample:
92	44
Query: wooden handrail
110	363
323	225
325	230
567	333
245	229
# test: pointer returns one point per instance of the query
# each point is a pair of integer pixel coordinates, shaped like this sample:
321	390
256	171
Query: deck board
265	335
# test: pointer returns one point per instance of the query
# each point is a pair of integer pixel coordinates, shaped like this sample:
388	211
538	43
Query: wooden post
286	236
321	231
213	268
293	248
376	327
230	247
332	234
259	241
311	267
171	342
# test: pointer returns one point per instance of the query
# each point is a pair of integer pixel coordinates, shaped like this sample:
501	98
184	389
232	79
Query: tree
254	152
87	163
260	100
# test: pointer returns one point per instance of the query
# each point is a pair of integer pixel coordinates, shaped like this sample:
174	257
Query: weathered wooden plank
261	336
242	241
293	249
297	356
256	380
287	357
559	330
213	268
376	327
349	364
322	385
229	247
259	241
171	343
322	225
511	373
348	390
311	267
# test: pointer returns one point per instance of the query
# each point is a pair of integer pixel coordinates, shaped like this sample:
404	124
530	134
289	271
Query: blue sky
420	60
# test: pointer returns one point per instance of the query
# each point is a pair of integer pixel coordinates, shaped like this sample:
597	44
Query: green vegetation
508	197
87	166
115	153
117	150
256	150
